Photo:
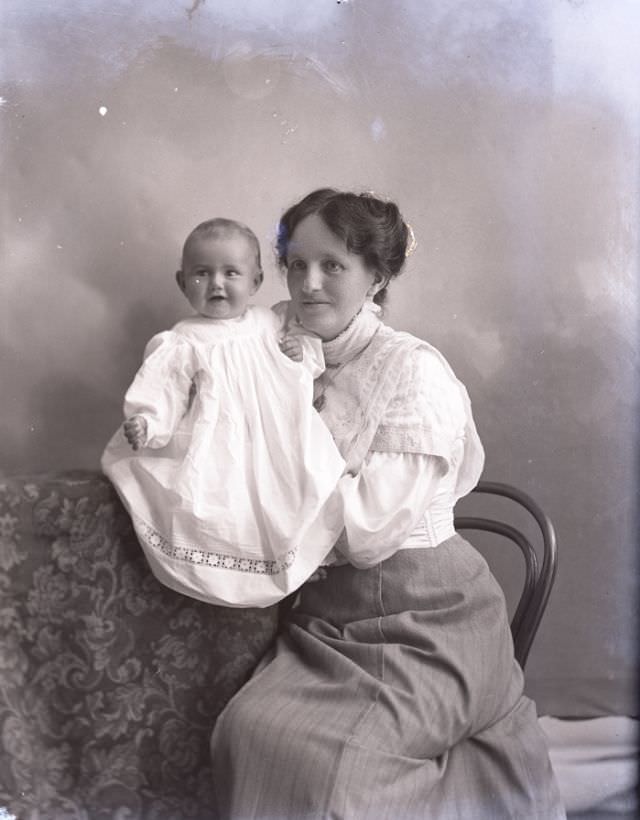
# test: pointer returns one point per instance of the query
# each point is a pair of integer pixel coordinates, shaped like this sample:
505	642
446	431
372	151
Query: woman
393	691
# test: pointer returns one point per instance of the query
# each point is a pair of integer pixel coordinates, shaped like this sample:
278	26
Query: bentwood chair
539	576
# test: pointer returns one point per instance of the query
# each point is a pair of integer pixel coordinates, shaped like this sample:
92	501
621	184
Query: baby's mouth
217	297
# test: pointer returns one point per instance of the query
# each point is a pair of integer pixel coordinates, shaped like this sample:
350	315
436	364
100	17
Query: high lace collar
355	337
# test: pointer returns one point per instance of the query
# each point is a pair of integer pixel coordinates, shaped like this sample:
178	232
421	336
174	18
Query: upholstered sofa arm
109	682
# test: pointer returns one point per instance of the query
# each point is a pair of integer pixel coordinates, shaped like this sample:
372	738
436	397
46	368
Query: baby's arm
296	343
158	397
312	356
291	346
306	350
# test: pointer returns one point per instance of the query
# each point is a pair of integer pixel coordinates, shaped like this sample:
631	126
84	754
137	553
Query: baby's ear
180	280
257	280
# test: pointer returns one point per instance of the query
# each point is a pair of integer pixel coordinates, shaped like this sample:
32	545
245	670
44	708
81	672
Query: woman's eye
296	265
331	266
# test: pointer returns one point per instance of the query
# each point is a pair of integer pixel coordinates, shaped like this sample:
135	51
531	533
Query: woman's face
327	283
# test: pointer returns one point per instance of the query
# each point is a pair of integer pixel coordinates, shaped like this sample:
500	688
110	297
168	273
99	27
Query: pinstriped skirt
392	694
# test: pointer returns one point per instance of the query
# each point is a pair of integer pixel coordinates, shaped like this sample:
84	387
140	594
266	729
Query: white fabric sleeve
312	354
427	414
384	502
160	390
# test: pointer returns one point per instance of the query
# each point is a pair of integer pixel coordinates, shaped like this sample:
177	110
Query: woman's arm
384	502
425	445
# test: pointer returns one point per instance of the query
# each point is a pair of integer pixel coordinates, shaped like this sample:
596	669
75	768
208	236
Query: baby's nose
216	282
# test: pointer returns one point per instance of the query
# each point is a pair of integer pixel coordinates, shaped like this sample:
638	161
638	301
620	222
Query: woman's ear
380	281
180	280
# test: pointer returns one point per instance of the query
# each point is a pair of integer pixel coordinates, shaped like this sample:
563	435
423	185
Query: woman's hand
291	346
135	430
319	575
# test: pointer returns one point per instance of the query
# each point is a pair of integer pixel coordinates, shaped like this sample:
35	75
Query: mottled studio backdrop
508	131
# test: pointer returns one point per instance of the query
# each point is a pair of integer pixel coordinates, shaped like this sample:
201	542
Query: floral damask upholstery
109	683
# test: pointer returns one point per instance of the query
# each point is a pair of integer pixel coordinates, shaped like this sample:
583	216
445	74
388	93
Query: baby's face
219	275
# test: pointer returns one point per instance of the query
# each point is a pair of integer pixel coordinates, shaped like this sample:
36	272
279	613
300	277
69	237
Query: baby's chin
221	309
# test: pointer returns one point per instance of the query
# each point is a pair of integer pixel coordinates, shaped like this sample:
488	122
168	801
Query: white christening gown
231	496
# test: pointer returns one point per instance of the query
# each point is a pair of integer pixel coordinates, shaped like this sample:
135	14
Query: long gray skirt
393	694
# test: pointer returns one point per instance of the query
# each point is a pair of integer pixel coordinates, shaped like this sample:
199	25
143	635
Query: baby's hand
291	346
135	430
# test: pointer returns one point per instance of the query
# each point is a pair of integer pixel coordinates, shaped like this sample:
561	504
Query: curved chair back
539	576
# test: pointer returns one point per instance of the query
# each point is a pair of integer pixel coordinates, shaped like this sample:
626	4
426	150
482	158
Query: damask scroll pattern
109	683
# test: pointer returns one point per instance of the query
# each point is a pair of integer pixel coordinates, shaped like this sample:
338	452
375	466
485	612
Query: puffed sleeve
160	390
427	413
430	413
425	444
384	502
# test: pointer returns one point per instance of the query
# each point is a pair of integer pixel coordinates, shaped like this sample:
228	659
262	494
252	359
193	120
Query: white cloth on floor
595	762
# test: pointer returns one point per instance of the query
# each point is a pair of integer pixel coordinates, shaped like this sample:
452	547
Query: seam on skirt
347	743
383	637
380	596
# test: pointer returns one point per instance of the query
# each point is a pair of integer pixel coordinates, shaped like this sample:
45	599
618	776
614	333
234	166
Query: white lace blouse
425	453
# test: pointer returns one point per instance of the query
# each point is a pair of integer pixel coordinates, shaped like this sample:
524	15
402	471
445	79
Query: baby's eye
232	272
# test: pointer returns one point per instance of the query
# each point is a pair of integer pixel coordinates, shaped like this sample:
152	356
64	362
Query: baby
226	469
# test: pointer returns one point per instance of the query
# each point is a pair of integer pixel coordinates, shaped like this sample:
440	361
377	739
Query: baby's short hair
220	226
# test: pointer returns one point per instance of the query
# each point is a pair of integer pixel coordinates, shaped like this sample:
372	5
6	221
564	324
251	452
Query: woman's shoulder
419	360
427	385
429	411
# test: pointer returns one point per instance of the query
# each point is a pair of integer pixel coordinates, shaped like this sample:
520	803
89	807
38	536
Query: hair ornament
413	242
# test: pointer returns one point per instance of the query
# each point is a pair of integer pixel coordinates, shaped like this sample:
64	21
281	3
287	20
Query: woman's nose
312	280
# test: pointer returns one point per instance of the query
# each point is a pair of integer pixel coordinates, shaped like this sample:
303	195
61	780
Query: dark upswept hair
219	226
369	227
